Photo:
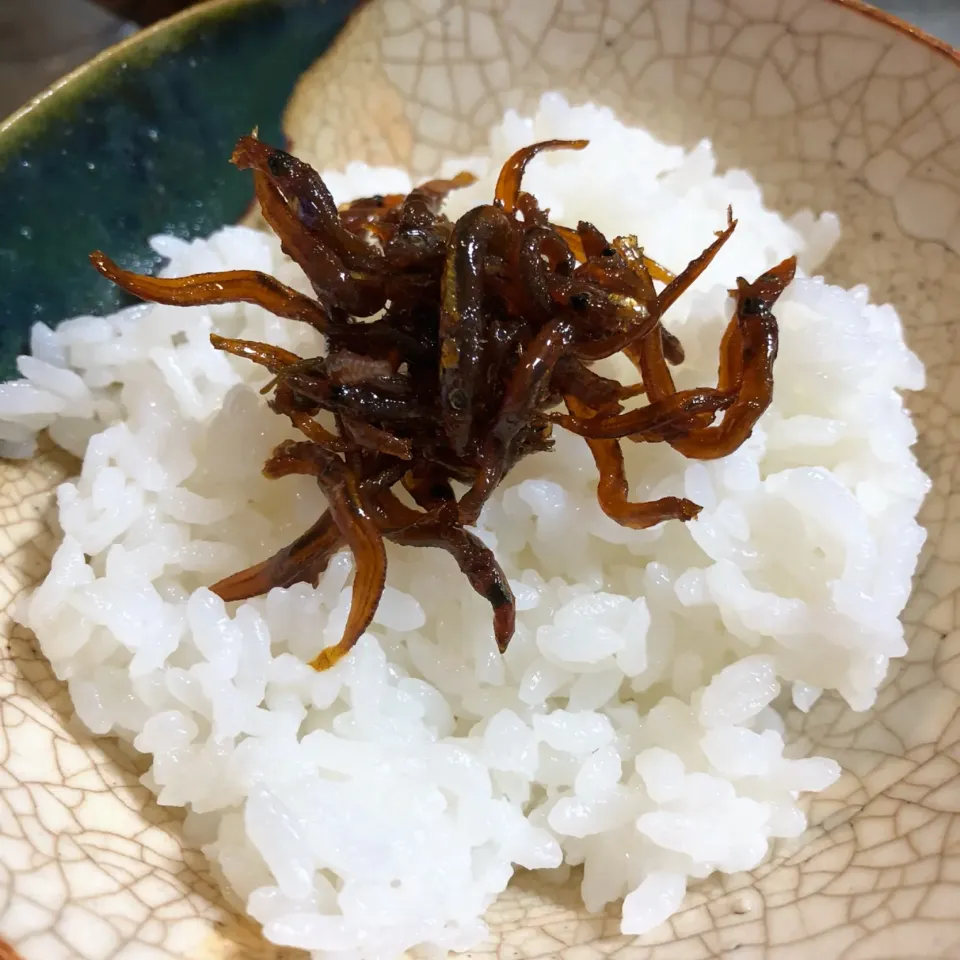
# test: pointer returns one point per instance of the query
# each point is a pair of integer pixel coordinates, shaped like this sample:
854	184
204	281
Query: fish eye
278	164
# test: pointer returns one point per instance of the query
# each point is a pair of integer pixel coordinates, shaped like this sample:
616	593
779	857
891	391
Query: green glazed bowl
828	103
135	143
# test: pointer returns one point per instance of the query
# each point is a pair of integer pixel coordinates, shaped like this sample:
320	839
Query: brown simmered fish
485	326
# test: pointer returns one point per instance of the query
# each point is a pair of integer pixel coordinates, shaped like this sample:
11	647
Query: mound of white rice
628	727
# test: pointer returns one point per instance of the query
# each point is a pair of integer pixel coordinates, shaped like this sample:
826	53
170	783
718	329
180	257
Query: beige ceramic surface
827	107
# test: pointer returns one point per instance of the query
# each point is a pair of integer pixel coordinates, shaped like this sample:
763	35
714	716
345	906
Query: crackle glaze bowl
827	102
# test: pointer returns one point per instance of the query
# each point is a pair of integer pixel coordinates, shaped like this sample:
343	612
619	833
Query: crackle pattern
827	108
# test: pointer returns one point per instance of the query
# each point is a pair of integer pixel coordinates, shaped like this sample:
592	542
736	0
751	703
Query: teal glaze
138	145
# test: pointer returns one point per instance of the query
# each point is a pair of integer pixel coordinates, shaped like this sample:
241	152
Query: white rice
629	727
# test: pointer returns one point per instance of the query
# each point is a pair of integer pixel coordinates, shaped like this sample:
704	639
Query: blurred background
40	40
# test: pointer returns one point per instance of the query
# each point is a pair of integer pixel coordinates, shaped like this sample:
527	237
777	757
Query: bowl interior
829	108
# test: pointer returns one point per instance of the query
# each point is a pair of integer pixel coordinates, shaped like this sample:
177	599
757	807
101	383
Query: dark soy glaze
486	326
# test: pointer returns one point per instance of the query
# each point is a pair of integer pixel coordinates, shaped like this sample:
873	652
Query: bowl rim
902	26
169	27
175	24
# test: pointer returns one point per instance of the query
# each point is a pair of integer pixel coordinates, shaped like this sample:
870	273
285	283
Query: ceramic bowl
828	103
